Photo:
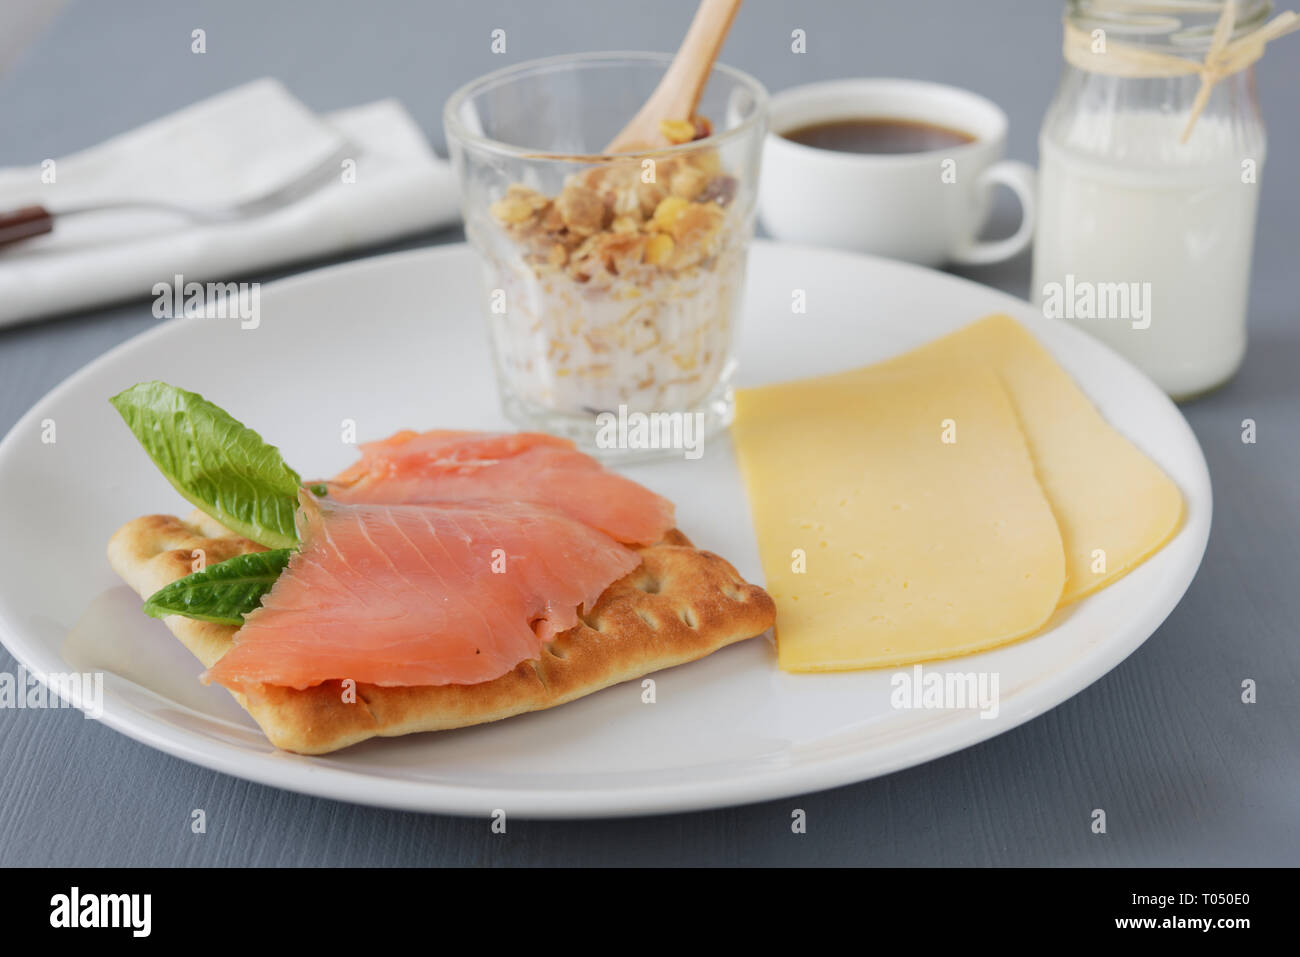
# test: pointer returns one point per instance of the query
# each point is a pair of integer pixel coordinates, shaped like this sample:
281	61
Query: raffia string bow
1224	57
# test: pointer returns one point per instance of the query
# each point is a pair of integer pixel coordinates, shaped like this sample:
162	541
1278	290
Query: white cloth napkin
237	146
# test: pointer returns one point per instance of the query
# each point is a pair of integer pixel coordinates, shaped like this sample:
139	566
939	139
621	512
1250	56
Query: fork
36	220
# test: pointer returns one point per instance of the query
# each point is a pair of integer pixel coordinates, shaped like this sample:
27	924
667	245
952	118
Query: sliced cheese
1114	506
898	516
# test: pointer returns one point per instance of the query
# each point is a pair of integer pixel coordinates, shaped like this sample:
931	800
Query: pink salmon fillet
456	593
446	466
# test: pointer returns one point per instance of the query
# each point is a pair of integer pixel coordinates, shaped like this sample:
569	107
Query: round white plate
397	342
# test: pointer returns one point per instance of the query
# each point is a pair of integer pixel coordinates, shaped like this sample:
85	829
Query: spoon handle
691	67
678	93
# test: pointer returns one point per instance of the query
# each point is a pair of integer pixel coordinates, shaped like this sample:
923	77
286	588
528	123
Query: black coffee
878	135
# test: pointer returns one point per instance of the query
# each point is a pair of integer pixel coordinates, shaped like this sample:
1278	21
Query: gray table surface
1188	774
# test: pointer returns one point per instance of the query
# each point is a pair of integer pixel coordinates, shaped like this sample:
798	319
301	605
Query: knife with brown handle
24	223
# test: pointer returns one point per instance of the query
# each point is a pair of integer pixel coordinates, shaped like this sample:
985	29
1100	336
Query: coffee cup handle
1020	178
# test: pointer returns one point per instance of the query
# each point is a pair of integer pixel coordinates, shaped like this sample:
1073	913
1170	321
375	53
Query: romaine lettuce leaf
223	593
215	461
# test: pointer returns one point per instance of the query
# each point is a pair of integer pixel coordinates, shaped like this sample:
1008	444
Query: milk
1159	232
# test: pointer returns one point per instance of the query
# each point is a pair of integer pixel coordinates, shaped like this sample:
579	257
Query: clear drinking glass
611	284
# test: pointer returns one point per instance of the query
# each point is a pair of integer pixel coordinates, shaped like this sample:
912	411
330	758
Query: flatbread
680	604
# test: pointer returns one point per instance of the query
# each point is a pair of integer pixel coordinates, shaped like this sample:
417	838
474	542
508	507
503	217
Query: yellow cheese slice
898	517
1114	506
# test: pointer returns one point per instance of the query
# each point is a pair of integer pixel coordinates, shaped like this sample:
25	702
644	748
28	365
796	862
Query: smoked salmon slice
442	466
455	593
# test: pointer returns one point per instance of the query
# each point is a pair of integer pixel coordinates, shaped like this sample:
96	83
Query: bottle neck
1177	27
1141	120
1132	100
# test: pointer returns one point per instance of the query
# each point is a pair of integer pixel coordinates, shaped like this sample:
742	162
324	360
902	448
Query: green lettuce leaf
215	461
223	593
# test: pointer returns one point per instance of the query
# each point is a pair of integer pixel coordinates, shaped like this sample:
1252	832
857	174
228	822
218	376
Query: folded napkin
236	147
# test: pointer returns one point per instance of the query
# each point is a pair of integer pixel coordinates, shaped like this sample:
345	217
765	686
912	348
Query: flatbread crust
680	604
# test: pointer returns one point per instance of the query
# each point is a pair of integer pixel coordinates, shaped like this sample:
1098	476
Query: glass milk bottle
1146	225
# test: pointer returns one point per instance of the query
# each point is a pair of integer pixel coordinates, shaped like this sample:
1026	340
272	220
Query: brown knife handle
23	223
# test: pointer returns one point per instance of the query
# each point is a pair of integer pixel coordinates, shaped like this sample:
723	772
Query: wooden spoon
678	93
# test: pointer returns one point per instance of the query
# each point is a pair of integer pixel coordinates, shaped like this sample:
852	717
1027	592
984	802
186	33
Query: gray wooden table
1188	774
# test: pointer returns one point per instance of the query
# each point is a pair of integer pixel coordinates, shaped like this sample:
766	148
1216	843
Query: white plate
397	342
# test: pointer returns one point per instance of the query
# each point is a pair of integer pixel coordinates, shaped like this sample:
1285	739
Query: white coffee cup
926	207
